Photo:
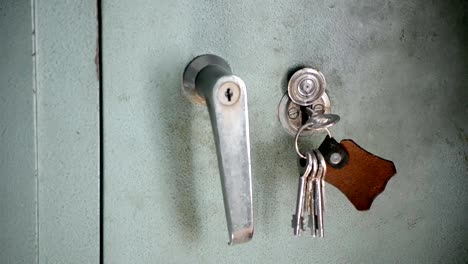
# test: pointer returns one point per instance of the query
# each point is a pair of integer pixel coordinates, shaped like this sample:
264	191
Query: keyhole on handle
229	94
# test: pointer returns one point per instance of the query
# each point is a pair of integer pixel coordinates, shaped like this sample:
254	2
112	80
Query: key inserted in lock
306	97
208	80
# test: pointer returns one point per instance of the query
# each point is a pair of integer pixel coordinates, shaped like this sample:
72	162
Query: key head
363	177
308	165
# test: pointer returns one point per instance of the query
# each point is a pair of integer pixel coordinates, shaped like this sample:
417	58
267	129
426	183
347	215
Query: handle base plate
194	68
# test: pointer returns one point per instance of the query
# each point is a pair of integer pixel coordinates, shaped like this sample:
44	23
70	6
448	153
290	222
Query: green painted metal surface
68	131
17	142
49	132
397	76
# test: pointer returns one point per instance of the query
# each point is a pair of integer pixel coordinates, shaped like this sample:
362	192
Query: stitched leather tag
363	178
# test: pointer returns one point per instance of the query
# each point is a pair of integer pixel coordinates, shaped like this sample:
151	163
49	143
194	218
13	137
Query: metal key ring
296	139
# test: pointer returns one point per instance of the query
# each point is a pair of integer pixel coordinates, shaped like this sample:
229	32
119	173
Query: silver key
311	202
305	171
319	121
316	210
319	196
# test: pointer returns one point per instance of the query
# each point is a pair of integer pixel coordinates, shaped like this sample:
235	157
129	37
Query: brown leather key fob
359	174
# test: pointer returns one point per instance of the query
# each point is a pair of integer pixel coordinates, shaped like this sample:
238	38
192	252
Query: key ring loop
296	139
316	122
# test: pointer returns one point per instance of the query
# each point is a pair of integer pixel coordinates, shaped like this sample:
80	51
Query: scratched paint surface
49	133
67	131
397	76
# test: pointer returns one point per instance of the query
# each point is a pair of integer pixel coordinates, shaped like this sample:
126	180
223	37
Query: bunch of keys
312	169
311	194
359	174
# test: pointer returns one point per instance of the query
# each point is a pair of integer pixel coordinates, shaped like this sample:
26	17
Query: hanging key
320	193
307	166
314	208
317	190
312	198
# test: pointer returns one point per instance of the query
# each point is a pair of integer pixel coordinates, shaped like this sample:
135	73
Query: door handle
208	79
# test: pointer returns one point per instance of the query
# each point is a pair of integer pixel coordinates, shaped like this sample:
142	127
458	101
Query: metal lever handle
208	80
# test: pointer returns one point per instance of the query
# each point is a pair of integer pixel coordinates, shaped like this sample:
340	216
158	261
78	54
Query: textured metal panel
397	76
68	131
17	155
